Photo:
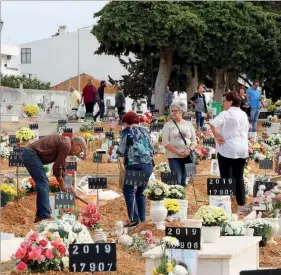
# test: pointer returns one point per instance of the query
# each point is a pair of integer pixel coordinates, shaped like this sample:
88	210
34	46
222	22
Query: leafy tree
138	27
28	83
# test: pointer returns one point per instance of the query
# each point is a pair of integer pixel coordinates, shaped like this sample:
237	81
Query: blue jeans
255	113
199	119
35	167
178	165
140	201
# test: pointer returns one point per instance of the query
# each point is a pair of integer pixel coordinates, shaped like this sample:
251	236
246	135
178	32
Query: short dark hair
255	81
131	118
234	97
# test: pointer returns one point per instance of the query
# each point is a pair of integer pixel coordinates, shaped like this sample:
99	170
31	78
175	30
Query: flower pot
100	236
210	234
275	228
173	217
182	214
249	232
193	223
92	233
158	213
263	243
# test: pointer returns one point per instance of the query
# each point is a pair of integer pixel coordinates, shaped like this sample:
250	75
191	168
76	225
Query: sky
27	21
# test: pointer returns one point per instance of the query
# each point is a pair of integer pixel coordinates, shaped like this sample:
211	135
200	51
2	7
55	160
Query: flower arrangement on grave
274	119
90	217
176	192
172	206
8	192
87	126
68	229
274	140
68	210
202	152
9	107
163	167
233	228
271	108
261	228
162	119
30	186
9	178
39	253
146	118
25	134
112	125
211	215
31	110
88	136
4	138
26	185
258	151
5	149
267	102
157	191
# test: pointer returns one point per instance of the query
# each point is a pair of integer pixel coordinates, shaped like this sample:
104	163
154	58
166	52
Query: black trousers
100	112
120	112
234	168
89	107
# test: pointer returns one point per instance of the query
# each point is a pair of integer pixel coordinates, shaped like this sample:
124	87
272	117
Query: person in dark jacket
101	101
88	96
245	106
151	101
120	103
199	101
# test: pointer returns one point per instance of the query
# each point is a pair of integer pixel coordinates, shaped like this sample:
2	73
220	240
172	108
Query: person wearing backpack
100	99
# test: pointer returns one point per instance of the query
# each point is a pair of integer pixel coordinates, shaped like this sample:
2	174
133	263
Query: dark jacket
194	98
149	100
119	100
101	92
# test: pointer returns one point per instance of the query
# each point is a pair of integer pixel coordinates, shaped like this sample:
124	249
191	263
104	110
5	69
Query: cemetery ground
17	217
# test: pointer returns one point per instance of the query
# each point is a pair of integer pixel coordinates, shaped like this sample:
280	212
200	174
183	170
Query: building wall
55	59
10	64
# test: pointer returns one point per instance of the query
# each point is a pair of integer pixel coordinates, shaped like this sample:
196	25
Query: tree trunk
163	76
191	89
220	85
232	81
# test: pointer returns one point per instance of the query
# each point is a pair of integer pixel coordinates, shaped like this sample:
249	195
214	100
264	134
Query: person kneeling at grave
137	150
50	149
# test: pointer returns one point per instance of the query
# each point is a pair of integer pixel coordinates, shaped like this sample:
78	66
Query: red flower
20	253
43	243
49	254
21	266
55	244
62	250
33	237
35	253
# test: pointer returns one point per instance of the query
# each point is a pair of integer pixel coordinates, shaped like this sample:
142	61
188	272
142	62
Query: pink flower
49	254
20	253
55	244
148	234
43	243
25	244
21	267
267	193
278	197
62	250
35	253
33	237
256	200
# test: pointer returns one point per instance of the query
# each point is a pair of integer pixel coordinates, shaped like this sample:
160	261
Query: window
26	56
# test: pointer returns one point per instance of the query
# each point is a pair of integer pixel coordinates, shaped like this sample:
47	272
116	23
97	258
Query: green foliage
12	81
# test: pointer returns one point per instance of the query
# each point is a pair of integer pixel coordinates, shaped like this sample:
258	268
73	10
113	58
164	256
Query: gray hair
180	106
79	140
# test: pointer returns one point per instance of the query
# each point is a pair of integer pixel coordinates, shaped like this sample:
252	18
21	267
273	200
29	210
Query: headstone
266	164
109	135
68	130
170	178
97	183
71	166
13	140
221	187
190	169
97	157
98	130
209	142
266	124
64	199
135	178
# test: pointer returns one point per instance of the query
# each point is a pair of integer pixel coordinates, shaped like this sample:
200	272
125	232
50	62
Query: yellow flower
169	267
25	134
154	271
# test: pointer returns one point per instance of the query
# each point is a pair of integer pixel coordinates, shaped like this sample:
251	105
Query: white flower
125	240
234	217
179	270
262	187
65	261
170	241
158	191
162	169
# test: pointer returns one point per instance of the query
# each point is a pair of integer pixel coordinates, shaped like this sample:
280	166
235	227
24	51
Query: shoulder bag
192	157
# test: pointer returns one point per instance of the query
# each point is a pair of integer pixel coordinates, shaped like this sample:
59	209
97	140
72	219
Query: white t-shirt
171	135
75	95
233	126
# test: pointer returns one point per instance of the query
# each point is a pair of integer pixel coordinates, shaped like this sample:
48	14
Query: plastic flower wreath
25	134
31	110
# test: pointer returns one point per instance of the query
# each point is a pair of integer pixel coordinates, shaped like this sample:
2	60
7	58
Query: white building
10	64
55	59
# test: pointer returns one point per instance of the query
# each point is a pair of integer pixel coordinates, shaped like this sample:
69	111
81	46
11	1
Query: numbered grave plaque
17	151
13	140
189	238
33	126
15	161
135	178
187	118
71	166
266	124
64	199
221	187
209	142
97	183
157	127
154	111
268	186
262	272
115	143
266	164
61	122
267	142
100	257
190	169
68	130
97	157
40	137
109	135
170	178
98	130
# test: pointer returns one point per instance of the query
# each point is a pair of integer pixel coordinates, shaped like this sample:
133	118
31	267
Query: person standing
120	103
75	100
254	97
168	99
199	101
88	96
151	100
230	129
50	149
137	150
101	101
244	100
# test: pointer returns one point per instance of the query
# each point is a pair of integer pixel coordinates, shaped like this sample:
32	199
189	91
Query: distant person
254	97
88	96
151	100
120	103
75	99
50	149
199	101
245	106
101	101
168	99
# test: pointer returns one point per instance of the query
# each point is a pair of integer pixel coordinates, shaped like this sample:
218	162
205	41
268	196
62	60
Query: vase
210	234
172	217
100	236
158	214
182	214
275	228
249	232
193	223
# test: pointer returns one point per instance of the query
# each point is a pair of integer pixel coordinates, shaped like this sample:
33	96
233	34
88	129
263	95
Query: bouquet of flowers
172	206
267	102
39	253
88	136
8	192
10	178
87	126
211	215
25	134
31	110
233	228
5	150
157	191
90	216
176	192
4	138
68	210
163	167
68	229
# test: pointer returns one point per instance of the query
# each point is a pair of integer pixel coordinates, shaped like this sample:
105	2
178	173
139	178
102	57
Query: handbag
192	157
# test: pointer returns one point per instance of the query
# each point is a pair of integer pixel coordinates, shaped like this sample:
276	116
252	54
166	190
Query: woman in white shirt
179	139
230	129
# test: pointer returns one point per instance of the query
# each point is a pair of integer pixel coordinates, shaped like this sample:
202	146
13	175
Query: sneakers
38	219
131	224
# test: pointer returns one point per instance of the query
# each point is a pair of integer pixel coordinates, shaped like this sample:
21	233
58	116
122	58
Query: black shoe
131	224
